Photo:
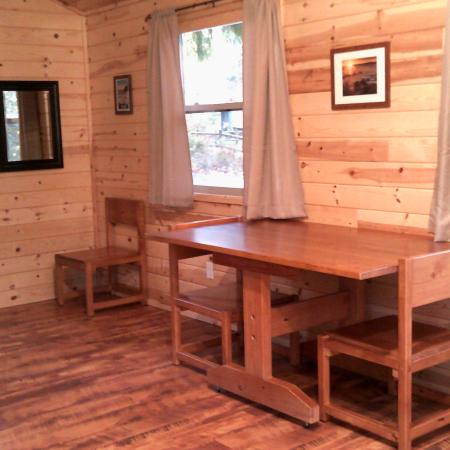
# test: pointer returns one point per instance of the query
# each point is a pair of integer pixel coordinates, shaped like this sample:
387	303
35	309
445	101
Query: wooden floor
69	382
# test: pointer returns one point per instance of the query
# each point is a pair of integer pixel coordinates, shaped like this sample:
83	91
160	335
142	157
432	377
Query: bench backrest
425	278
120	211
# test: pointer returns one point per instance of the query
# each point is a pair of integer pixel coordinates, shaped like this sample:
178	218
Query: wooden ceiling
85	6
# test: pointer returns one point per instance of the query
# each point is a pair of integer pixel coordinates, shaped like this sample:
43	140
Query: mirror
30	128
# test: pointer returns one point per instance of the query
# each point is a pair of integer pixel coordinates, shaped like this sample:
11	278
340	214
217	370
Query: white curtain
440	209
170	163
272	181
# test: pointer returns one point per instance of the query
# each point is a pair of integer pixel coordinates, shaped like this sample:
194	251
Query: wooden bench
403	345
118	212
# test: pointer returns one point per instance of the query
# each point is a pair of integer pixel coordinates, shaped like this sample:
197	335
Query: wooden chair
118	212
400	344
213	304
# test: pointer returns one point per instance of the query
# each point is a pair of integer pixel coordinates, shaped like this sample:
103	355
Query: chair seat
215	300
105	255
379	337
223	299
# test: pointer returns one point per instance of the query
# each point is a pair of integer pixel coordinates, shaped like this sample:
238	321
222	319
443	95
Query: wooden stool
208	303
118	211
400	344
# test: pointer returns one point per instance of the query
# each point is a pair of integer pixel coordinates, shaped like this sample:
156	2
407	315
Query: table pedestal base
272	392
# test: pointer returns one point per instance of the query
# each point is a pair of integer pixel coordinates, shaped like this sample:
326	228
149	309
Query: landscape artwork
360	77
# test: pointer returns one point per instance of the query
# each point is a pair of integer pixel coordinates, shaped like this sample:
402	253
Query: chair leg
404	409
323	361
59	283
227	344
240	330
176	334
294	349
89	283
143	281
112	277
392	387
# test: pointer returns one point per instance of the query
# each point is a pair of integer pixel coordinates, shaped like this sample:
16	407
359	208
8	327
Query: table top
343	251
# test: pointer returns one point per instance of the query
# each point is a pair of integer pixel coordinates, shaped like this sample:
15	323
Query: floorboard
107	382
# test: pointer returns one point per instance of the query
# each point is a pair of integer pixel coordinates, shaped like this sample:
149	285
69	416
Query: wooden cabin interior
206	334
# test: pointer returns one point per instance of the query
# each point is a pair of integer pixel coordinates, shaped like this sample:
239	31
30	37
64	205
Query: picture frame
360	77
123	94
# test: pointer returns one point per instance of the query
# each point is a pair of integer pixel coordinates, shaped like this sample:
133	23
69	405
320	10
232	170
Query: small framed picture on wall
360	77
123	98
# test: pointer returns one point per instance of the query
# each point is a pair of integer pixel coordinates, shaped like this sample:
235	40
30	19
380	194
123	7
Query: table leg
176	313
257	325
357	291
255	381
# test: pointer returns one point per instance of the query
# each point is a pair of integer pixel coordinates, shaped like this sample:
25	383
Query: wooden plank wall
117	43
371	168
45	212
367	167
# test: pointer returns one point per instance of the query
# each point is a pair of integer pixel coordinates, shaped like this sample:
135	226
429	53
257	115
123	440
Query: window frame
212	107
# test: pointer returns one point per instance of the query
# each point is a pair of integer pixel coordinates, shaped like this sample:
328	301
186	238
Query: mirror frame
38	164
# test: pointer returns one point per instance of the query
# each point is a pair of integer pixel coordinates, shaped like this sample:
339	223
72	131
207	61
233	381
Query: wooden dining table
265	248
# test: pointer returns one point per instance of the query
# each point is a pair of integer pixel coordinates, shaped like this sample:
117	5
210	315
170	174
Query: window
212	80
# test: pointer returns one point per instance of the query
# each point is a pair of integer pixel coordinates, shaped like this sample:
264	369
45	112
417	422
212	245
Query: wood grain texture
405	133
109	382
117	43
342	251
373	171
405	345
50	211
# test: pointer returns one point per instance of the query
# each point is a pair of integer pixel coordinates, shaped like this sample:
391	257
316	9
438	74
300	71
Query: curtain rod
194	5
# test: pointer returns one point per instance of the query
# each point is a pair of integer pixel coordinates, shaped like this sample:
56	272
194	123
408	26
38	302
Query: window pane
212	65
215	140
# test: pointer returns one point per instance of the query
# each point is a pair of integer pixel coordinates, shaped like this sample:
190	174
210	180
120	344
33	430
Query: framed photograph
123	99
360	77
